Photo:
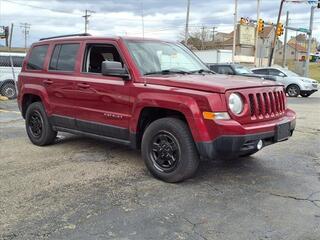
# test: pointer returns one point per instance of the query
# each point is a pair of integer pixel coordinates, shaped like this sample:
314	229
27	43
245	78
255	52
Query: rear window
64	57
5	61
37	56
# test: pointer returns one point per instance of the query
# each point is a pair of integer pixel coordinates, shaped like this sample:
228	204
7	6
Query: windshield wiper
203	71
167	71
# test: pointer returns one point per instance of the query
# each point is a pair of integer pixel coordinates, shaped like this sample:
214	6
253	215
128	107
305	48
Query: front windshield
156	57
289	73
242	70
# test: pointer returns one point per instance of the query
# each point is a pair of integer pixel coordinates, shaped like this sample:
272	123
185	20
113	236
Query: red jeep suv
152	95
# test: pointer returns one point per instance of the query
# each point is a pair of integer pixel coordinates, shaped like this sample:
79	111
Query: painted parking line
8	111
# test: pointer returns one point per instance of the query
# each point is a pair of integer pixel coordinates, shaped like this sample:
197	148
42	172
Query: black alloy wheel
35	124
165	153
38	127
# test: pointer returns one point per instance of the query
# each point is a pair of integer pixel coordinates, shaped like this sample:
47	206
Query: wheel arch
33	93
147	110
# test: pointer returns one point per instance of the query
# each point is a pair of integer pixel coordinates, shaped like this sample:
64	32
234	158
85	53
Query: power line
39	7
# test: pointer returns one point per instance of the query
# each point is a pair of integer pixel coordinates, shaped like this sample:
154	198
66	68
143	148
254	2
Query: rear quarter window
260	71
37	56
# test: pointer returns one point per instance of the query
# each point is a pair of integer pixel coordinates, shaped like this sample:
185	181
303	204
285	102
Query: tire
38	127
304	94
293	90
9	90
167	137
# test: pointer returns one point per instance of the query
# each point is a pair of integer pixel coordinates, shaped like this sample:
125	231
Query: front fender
183	104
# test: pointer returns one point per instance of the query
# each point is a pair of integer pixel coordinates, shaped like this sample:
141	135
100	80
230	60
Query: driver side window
96	54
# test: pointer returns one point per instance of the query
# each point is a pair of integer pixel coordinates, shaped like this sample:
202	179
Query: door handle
83	85
47	81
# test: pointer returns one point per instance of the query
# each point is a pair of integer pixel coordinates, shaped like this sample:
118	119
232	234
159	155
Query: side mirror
281	75
112	68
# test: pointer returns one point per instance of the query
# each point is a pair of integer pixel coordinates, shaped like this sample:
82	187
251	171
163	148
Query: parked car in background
295	85
236	69
7	82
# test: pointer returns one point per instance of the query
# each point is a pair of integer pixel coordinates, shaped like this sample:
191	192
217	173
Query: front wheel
305	94
9	90
293	90
169	151
38	127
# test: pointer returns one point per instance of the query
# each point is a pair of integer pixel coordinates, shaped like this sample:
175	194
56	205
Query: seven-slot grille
267	104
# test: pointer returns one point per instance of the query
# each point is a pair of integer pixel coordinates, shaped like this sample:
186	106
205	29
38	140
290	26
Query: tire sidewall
297	90
181	170
42	140
9	86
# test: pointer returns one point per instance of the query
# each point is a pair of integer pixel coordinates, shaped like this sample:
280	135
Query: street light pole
234	30
306	73
275	34
257	34
284	57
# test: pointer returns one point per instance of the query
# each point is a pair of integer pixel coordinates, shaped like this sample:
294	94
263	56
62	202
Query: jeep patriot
152	95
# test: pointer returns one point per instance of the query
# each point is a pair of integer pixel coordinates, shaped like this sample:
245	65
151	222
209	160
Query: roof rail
69	35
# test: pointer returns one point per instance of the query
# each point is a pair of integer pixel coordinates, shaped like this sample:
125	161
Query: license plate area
282	131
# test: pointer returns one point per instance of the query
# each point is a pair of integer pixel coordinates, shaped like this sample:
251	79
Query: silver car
295	85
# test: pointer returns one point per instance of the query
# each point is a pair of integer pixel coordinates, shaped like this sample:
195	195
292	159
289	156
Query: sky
163	19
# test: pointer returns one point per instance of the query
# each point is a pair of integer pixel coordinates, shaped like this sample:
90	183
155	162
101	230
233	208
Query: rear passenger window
37	56
64	57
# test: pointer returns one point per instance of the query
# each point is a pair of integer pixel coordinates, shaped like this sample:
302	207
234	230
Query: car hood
209	82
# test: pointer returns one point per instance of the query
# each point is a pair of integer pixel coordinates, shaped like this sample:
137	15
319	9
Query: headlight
305	80
235	103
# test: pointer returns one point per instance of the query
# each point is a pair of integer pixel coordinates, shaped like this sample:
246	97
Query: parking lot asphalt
80	188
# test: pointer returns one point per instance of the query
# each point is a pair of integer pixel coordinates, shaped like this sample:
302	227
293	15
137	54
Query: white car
7	81
295	85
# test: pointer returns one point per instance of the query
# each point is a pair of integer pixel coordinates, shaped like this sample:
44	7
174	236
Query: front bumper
233	146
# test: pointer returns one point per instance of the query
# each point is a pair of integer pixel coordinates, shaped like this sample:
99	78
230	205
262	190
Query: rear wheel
38	128
293	90
169	151
9	90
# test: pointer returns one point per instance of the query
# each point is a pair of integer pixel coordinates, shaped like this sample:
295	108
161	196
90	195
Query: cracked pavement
81	188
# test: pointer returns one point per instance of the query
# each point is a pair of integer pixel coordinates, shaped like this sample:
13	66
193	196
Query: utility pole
275	34
257	34
235	22
306	73
86	19
202	38
186	34
284	57
25	30
213	31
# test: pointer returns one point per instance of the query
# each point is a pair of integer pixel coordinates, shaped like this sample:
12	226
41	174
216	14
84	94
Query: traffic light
280	29
243	21
260	25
